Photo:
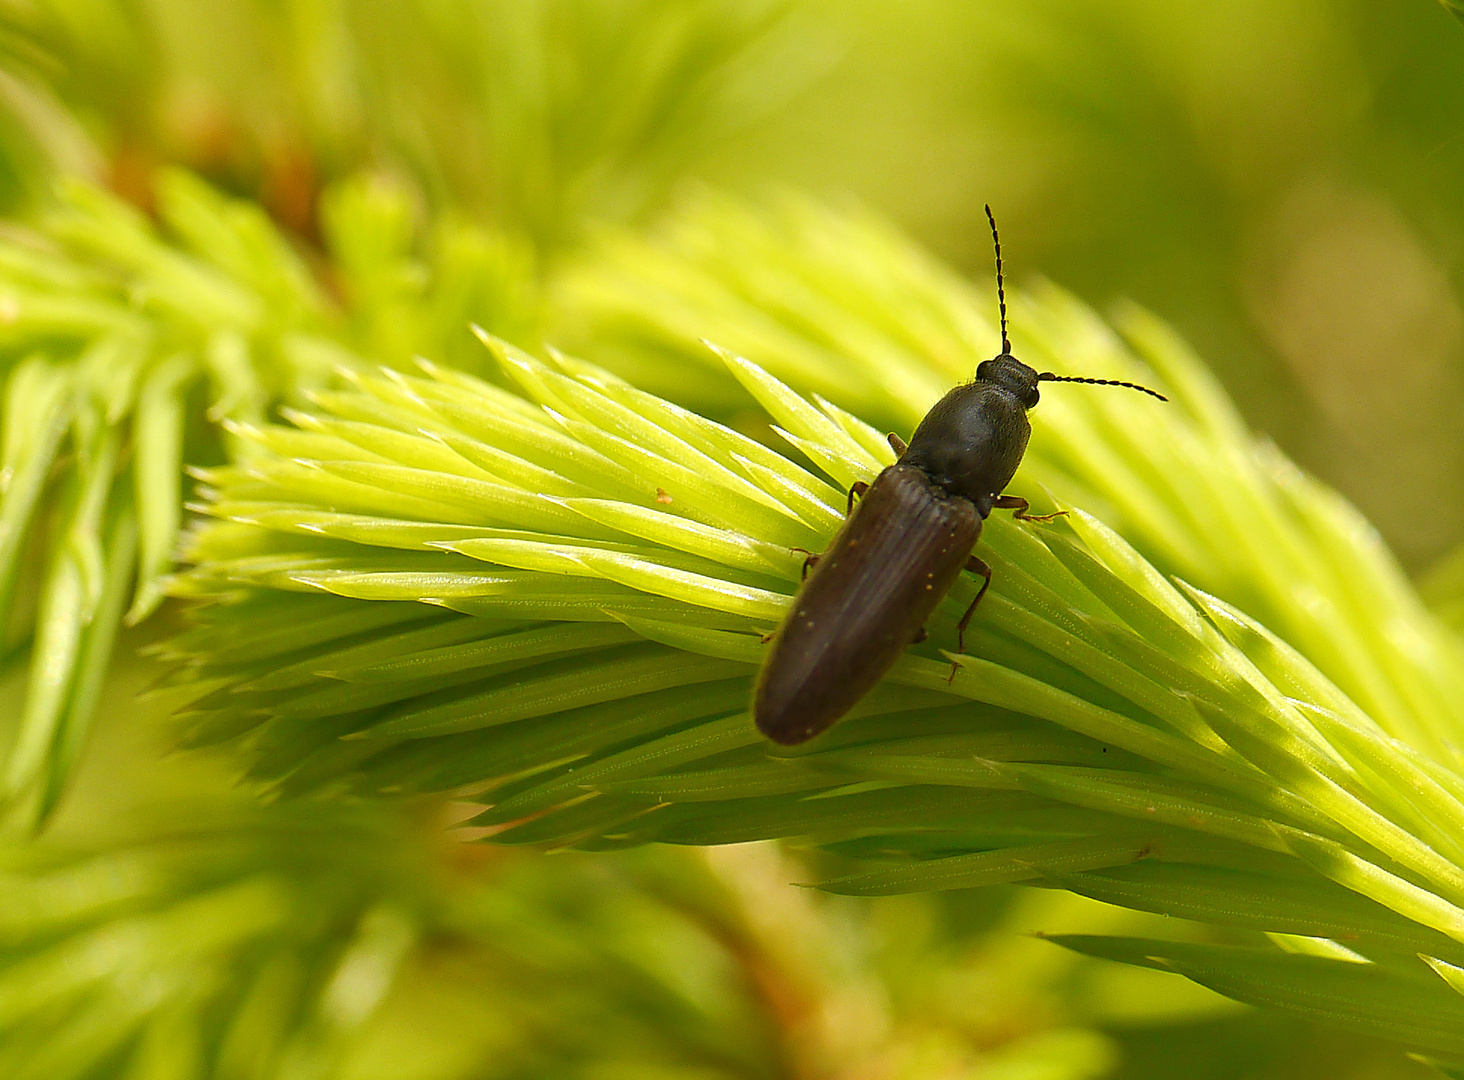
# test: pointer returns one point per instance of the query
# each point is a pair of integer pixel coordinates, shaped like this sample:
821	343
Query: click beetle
903	546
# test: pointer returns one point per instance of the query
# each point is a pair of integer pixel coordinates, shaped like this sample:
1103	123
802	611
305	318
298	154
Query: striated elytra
902	546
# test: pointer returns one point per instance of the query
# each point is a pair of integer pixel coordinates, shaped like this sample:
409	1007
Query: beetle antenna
1006	346
1048	376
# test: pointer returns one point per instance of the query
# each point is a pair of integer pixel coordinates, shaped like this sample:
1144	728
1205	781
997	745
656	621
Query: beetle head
1004	370
1008	373
1013	376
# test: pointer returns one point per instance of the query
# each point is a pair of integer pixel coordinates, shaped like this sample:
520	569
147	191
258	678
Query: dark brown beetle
903	547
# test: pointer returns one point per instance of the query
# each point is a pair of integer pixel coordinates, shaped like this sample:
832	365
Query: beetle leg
808	563
858	488
976	566
897	444
1021	505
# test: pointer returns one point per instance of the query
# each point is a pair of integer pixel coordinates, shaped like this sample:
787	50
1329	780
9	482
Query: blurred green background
1279	178
1276	177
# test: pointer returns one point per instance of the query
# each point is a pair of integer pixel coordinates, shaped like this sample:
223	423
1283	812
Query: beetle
903	546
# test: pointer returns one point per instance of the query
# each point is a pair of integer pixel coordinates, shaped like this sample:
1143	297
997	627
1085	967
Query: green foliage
39	137
526	114
576	576
1443	588
121	335
210	938
839	305
1206	693
1390	1001
250	944
118	340
216	940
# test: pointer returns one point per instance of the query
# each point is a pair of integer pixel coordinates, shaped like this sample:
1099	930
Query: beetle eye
983	369
1032	398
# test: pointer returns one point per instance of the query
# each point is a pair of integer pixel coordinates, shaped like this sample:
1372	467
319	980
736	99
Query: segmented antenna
1048	376
1006	346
